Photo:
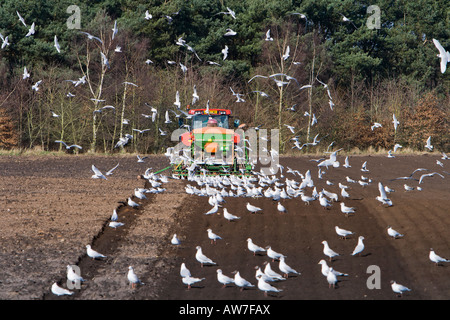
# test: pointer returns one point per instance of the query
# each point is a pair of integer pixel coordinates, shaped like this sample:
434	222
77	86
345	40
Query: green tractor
211	148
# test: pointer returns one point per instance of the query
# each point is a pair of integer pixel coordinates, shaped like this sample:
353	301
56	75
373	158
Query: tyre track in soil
107	242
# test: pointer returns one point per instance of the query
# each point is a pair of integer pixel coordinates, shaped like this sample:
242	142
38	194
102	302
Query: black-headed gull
184	271
97	173
253	247
252	208
57	290
92	253
359	247
331	278
342	232
212	236
223	279
241	282
325	269
443	55
273	254
435	258
328	251
393	233
200	257
229	216
428	144
266	287
285	268
189	281
175	241
346	210
133	278
398	288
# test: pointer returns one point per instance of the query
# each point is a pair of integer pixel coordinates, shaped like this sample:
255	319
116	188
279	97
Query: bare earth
51	209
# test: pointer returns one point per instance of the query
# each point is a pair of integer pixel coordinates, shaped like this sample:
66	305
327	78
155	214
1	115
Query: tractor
211	147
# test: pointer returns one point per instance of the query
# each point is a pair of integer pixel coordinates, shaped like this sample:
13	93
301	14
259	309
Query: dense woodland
356	73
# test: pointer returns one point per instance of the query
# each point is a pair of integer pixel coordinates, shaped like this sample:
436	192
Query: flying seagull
443	54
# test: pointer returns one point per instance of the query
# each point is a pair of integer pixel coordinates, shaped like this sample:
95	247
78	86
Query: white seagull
273	254
241	282
328	251
398	288
395	122
225	52
223	279
92	253
200	257
268	37
393	233
346	210
73	276
67	146
253	247
56	44
325	269
331	278
31	31
429	175
342	232
57	290
252	208
286	269
359	247
213	237
229	216
264	286
189	281
133	278
175	241
184	271
435	258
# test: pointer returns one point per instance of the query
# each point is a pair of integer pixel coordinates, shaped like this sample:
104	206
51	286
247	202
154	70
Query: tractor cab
213	145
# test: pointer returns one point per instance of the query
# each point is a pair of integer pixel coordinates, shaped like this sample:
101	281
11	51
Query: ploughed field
51	209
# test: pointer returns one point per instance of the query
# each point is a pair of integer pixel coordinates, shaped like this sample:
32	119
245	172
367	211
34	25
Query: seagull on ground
393	233
435	258
184	271
223	279
281	208
116	224
342	232
359	247
229	216
253	247
114	216
132	203
328	251
272	274
92	253
273	254
325	269
213	237
73	276
200	257
266	287
189	281
331	278
57	290
241	282
175	241
286	269
252	208
347	210
398	288
133	278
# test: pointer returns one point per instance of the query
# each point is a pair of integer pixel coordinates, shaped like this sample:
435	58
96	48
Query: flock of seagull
156	182
280	79
260	185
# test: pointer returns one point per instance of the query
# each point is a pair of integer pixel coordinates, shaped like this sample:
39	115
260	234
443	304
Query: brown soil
51	209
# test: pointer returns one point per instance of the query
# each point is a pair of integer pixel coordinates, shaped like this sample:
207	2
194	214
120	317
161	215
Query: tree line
329	69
